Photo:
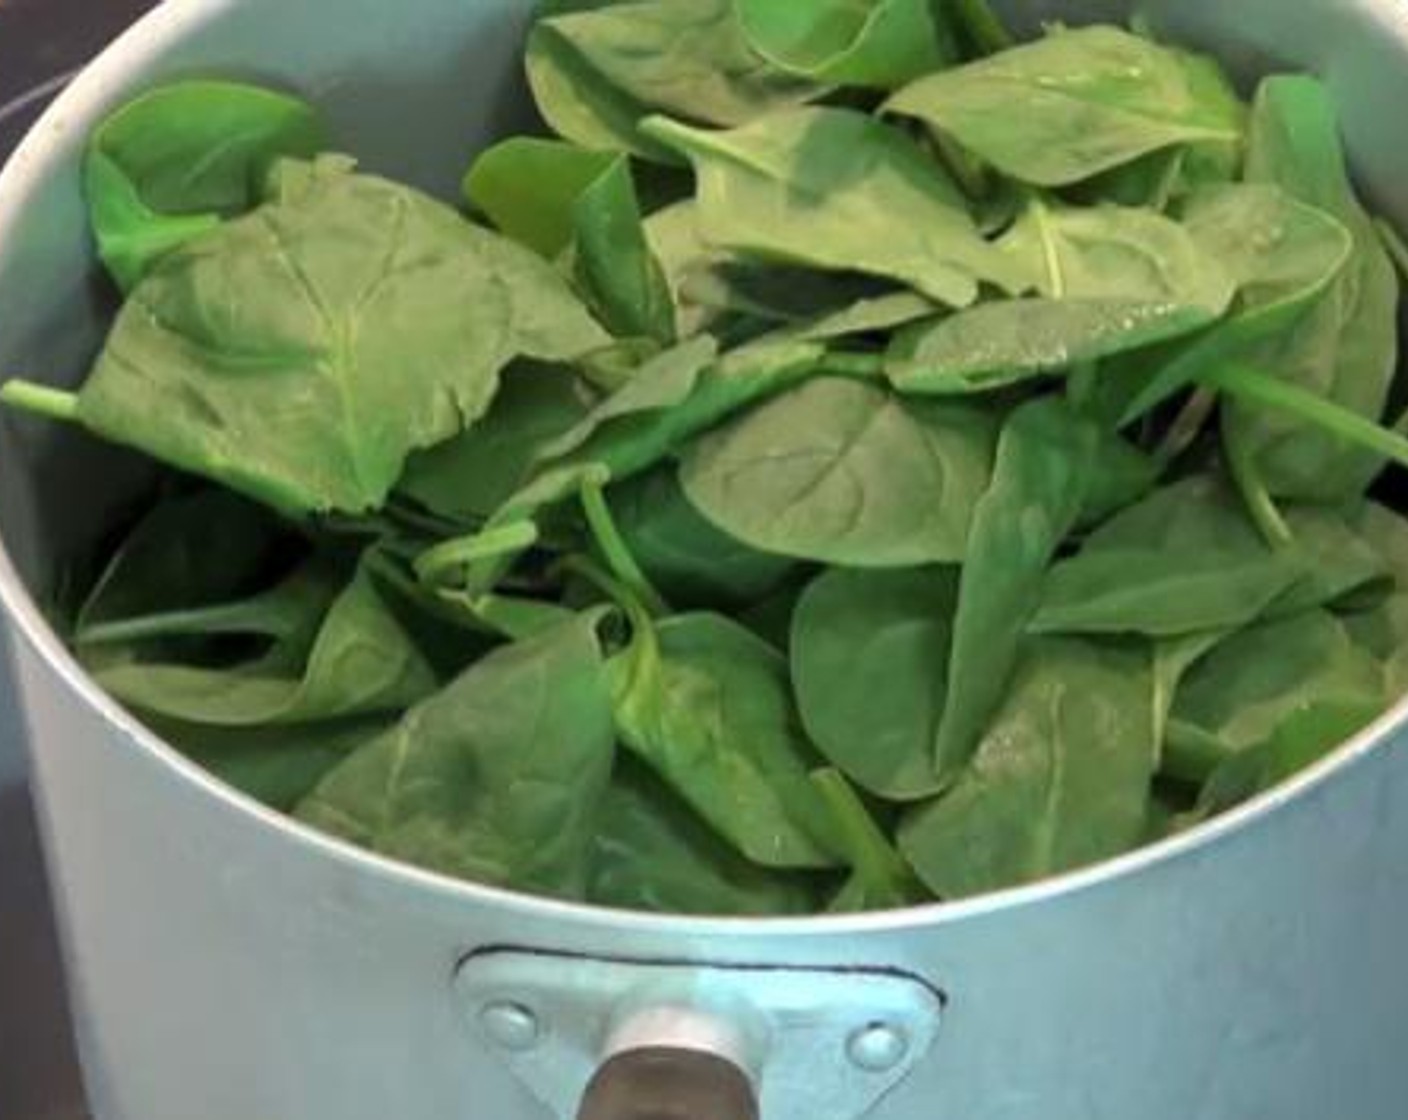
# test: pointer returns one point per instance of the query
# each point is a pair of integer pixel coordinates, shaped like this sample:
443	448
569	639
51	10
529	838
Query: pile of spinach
856	460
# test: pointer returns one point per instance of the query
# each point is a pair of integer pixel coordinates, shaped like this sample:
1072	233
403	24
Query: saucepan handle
668	1083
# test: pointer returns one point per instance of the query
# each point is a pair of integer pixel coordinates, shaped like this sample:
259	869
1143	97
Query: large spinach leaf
1060	780
836	189
869	655
280	355
1072	105
845	473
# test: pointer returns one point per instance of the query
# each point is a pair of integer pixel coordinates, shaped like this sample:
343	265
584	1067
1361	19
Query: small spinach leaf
875	43
707	705
170	165
1060	780
498	779
1071	105
836	189
652	852
869	654
845	473
1045	461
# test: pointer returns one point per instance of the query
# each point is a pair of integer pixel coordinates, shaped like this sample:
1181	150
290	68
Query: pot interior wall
414	100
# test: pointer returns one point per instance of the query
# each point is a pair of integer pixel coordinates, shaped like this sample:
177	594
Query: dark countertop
42	42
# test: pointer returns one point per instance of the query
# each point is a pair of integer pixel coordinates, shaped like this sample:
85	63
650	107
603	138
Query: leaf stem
1185	429
1255	496
1394	245
436	566
1250	384
988	33
30	396
614	548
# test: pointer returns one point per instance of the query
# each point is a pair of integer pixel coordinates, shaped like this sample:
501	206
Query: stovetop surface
42	43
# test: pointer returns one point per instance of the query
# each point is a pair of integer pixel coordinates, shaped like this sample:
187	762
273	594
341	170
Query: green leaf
474	473
1045	460
1283	256
660	384
1383	630
874	43
1184	560
1346	348
527	186
278	766
869	655
1109	279
279	355
185	553
845	473
1071	105
707	705
595	74
1060	780
1244	690
170	165
835	189
624	282
1305	738
361	663
498	779
653	853
880	879
684	555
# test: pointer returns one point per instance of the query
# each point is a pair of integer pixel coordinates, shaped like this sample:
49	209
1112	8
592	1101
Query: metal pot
229	965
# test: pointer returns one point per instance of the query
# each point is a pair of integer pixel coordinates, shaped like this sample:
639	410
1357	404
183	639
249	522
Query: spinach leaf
652	852
624	283
499	778
1108	278
474	473
1346	347
1383	629
361	662
172	164
1187	560
1283	256
187	552
684	555
845	473
869	654
876	43
880	879
1244	690
278	766
1060	780
595	74
1071	105
279	356
1045	460
836	189
1306	737
708	707
527	187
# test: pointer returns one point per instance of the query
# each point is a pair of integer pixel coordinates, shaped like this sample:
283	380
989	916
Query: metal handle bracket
811	1041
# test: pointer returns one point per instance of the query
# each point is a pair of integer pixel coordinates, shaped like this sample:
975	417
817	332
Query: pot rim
122	65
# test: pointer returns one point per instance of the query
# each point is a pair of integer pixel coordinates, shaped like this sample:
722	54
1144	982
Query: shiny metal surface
228	965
